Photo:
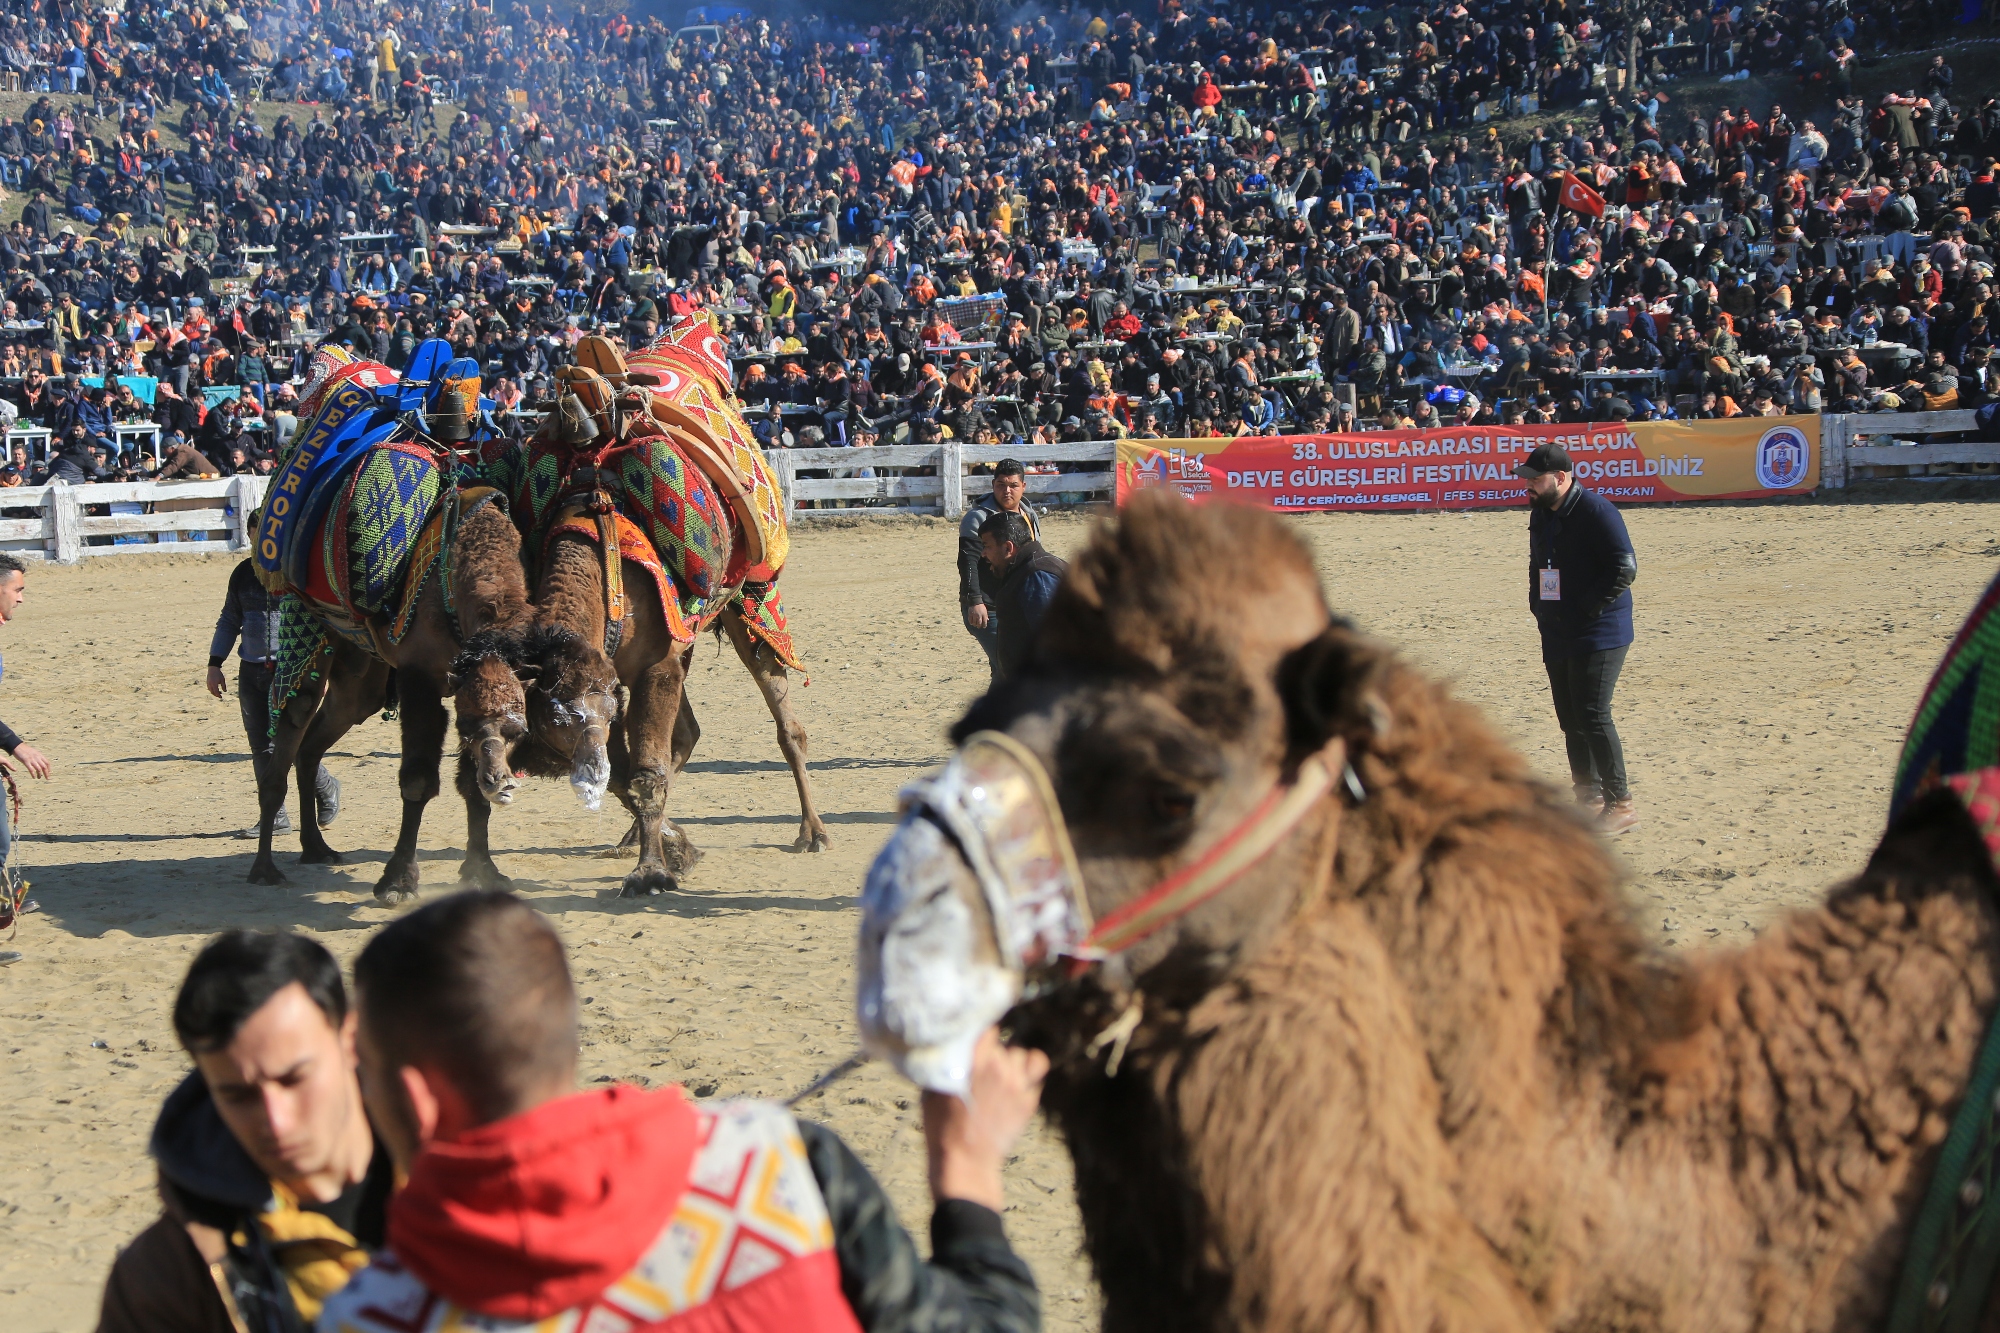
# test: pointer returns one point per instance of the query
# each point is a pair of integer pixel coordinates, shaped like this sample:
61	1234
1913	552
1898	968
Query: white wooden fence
930	478
1843	452
68	523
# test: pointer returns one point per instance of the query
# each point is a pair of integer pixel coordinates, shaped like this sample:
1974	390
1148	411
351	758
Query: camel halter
995	799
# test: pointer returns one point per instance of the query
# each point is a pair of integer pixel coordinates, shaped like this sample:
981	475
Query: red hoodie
535	1214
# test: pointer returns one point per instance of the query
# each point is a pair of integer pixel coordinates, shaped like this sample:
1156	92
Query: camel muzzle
976	890
977	900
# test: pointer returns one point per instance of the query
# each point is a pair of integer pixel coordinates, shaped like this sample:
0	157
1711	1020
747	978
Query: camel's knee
647	790
420	787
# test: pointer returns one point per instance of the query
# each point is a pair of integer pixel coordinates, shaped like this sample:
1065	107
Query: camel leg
682	855
351	699
649	724
776	686
272	782
424	724
477	871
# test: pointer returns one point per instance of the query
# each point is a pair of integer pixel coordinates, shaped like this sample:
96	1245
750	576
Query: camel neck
572	588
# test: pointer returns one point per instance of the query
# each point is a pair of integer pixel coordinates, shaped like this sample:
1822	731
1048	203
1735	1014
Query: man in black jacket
264	1146
977	584
250	614
1027	577
1580	575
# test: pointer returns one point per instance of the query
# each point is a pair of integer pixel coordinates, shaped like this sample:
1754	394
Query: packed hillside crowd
1195	222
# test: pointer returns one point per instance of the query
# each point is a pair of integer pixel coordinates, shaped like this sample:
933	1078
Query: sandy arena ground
1780	651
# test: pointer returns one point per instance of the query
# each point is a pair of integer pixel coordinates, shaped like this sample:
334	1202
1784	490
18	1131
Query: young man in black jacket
1581	567
977	583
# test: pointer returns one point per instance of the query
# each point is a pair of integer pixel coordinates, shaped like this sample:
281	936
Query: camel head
1147	803
490	698
572	705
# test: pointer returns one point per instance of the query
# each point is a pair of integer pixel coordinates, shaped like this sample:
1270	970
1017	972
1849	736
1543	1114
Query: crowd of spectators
1200	221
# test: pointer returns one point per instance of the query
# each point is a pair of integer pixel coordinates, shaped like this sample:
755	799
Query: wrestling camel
647	505
347	684
1351	1028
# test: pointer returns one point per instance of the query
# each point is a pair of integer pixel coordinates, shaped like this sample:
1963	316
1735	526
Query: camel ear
451	682
1330	690
527	675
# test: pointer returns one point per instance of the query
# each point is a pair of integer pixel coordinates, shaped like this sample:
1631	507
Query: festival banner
1472	467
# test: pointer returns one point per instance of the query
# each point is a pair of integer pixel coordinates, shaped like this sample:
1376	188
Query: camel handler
528	1204
1581	567
976	581
1027	576
13	591
270	1177
250	616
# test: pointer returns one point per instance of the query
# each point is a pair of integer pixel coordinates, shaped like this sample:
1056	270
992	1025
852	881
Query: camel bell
573	422
446	418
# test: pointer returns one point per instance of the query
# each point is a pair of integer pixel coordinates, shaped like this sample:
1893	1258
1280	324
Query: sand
1780	651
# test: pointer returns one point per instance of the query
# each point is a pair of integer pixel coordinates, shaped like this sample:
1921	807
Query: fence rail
929	478
69	523
1841	450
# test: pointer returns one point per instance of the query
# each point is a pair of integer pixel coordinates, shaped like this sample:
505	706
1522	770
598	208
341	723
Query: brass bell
573	424
446	418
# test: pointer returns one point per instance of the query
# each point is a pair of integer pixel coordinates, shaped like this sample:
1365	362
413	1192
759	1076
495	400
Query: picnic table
374	241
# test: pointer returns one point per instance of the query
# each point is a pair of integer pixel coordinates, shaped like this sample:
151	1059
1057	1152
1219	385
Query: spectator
977	582
1027	577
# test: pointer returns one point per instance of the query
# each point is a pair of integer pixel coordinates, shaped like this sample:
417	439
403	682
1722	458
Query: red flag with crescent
1578	197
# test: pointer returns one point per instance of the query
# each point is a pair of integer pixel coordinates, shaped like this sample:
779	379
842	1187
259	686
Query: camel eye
1171	805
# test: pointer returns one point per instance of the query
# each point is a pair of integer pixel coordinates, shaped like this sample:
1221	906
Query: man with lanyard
13	589
273	1187
1581	570
252	613
978	583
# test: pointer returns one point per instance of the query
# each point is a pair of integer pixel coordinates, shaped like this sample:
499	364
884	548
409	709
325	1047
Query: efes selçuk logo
1781	458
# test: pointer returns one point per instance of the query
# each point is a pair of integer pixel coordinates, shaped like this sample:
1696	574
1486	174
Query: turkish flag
1578	197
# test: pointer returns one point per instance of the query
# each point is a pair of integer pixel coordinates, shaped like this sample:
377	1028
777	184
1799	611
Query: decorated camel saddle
357	515
651	455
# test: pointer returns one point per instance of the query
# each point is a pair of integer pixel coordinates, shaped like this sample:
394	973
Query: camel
489	600
1404	1062
622	433
579	730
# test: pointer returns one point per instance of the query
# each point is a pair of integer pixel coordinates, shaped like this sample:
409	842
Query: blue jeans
989	640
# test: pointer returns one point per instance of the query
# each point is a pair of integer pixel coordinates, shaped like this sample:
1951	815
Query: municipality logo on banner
1781	458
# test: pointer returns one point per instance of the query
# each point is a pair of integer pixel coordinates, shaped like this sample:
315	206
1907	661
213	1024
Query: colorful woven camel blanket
380	538
654	486
1954	745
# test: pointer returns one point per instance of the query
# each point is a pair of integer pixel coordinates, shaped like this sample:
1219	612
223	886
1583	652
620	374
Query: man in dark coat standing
1028	577
1580	575
977	583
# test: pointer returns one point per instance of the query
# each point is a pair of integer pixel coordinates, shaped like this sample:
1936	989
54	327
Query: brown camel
490	598
1415	1068
579	731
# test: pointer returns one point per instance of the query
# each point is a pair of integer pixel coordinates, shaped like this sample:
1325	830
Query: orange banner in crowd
1472	468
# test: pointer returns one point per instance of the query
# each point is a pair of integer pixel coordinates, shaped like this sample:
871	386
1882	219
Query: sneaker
282	824
10	956
1618	817
327	798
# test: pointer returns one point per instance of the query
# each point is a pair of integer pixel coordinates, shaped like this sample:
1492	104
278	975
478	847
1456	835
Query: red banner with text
1473	467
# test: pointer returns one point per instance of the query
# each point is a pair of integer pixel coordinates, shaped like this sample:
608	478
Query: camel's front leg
649	731
272	781
776	686
424	724
351	697
478	870
681	853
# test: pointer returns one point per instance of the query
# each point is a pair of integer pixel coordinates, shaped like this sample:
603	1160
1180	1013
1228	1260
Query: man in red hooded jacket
626	1209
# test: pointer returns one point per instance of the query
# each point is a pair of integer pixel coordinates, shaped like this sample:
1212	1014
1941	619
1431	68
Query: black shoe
327	798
